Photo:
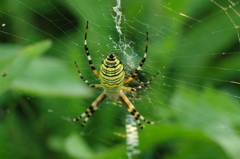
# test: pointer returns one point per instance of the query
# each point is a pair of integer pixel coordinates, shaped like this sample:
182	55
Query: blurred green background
194	45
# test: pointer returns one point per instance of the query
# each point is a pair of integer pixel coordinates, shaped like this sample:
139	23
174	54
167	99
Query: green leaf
14	60
76	147
212	118
43	78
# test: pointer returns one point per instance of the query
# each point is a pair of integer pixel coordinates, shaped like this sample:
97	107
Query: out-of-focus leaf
15	60
42	78
77	147
207	102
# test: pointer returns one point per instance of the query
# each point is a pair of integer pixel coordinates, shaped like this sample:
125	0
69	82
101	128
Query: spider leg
88	54
94	106
141	86
84	79
141	63
132	110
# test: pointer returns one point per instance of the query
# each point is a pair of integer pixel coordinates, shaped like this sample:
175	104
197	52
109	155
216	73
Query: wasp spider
112	79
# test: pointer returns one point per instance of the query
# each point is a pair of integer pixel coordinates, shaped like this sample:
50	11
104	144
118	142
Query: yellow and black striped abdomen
112	75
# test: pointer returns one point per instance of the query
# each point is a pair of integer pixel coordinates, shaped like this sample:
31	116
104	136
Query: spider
112	78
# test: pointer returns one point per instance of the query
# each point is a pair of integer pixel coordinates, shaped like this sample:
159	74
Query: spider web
193	44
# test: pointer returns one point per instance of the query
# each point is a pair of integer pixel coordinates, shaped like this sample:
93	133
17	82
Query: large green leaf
14	60
212	118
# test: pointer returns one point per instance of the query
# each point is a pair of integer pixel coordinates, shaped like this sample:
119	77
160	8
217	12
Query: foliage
40	88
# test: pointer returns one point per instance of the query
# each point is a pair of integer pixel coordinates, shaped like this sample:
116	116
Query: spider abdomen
112	76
